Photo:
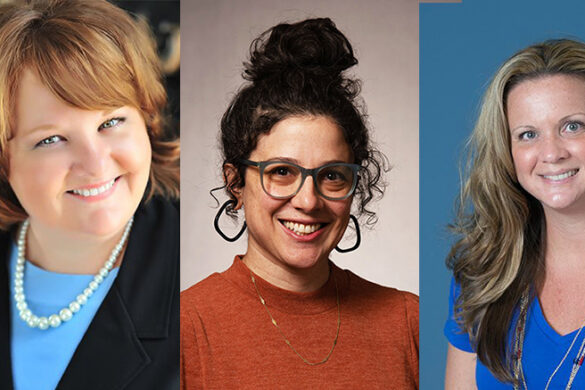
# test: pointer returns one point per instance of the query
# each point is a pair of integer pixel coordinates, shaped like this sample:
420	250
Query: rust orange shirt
229	342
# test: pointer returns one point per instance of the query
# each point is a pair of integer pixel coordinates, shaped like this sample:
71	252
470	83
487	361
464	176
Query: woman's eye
111	123
49	140
573	126
281	171
527	135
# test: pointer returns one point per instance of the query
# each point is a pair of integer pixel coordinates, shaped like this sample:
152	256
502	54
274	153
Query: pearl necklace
519	346
65	314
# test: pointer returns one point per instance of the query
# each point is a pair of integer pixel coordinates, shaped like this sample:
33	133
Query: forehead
37	106
546	98
311	140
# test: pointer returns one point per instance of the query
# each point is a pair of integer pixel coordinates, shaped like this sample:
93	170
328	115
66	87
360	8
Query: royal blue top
544	349
40	357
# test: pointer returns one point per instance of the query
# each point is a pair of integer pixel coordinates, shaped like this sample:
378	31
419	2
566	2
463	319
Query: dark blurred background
163	18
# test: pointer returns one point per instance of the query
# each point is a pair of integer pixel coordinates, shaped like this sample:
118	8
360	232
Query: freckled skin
546	117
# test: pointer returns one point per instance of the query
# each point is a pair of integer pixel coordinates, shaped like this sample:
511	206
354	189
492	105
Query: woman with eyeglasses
88	189
296	158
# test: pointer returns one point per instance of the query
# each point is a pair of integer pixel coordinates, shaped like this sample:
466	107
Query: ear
233	183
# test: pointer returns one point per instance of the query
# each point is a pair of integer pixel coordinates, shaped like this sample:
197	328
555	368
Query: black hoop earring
216	223
358	238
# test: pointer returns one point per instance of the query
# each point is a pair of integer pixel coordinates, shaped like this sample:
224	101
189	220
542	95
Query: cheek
134	154
524	159
34	180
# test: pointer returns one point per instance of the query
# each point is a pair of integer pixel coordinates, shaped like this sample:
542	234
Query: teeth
301	229
561	176
95	191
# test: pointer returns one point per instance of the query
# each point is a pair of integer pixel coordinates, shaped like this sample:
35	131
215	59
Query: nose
90	157
553	149
307	198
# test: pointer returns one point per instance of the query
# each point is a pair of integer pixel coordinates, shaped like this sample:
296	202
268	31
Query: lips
94	190
561	176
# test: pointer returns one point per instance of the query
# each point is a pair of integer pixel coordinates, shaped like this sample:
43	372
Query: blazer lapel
137	308
110	354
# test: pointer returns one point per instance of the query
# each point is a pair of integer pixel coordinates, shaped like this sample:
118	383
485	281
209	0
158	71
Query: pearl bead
65	315
93	285
18	282
21	305
43	323
74	307
19	297
33	321
19	274
81	299
103	272
88	292
54	320
25	314
20	267
19	289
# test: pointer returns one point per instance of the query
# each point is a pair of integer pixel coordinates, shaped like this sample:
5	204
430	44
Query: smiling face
546	117
301	231
76	170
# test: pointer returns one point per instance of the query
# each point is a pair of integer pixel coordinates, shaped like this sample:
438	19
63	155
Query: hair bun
312	47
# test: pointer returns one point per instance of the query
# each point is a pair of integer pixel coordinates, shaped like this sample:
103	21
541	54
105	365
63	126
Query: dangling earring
358	238
216	223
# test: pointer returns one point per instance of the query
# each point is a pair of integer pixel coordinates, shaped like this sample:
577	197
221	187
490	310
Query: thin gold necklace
284	337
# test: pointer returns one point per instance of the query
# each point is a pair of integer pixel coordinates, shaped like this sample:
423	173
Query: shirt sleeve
456	336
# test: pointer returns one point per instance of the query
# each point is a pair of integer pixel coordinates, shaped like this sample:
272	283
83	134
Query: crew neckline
302	303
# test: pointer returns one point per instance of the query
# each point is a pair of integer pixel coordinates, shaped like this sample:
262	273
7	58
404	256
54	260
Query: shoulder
380	303
373	293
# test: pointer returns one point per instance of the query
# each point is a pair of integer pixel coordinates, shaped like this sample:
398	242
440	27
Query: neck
69	252
565	243
285	276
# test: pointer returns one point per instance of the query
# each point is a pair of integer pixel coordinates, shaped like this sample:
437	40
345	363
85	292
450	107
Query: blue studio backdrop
461	47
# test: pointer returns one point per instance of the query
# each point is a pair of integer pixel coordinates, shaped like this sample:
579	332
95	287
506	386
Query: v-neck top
40	357
544	349
229	341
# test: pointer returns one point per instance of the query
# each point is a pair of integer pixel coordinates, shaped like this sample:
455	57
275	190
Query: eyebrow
51	126
297	162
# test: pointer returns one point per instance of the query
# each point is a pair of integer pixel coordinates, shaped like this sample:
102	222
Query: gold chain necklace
284	337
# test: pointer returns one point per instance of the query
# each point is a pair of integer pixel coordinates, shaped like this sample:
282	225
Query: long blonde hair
93	56
500	251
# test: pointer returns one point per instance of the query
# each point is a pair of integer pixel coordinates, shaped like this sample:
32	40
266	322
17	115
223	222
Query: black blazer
133	340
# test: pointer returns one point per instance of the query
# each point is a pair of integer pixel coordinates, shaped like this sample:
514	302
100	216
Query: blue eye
49	140
111	123
527	135
573	126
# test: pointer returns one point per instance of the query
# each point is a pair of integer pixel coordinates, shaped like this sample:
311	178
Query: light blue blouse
40	357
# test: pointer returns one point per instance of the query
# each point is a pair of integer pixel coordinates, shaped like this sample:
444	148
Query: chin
104	224
302	260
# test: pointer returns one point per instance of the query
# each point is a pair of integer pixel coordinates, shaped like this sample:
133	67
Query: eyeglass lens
284	180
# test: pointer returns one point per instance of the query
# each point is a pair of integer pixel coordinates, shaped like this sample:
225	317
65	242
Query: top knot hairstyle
298	70
94	56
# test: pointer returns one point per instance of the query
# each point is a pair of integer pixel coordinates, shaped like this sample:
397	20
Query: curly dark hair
297	69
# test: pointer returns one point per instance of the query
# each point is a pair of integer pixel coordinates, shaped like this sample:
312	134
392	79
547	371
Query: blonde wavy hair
93	56
501	228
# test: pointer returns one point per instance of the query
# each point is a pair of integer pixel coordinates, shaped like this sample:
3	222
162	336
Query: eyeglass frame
261	165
